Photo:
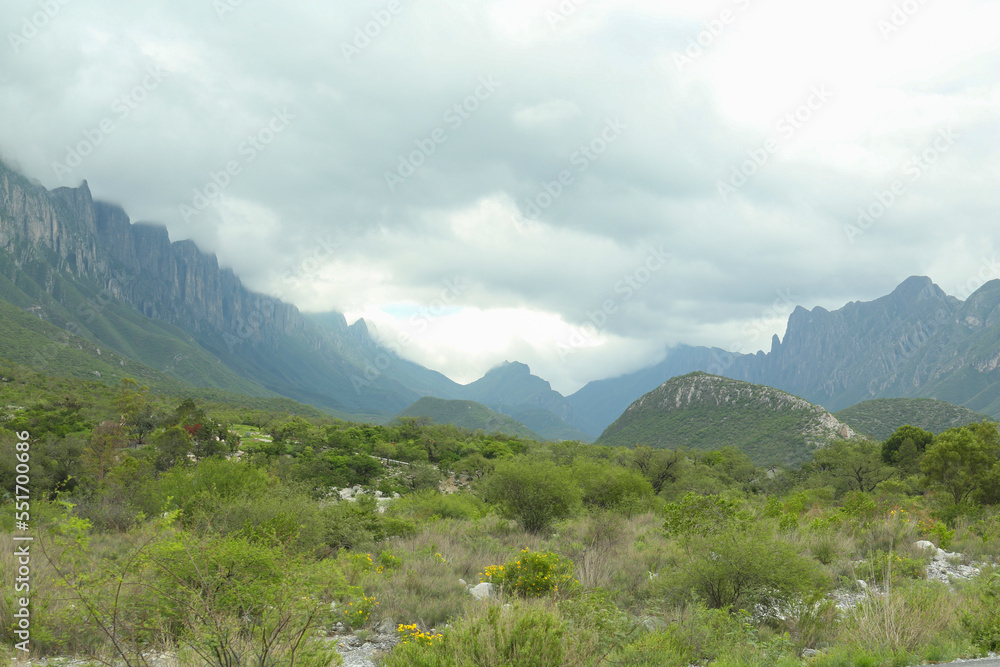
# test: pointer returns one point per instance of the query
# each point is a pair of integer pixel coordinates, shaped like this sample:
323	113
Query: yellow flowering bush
357	613
532	573
411	634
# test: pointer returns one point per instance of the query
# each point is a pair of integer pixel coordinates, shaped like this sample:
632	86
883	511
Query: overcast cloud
556	182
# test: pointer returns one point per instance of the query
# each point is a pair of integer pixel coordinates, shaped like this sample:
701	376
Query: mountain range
170	310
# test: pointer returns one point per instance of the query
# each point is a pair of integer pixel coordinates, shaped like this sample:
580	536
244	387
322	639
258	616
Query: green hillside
708	412
86	310
44	350
881	416
547	424
468	414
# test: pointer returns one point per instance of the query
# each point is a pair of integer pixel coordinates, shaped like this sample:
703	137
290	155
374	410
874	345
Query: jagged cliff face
64	235
856	352
138	264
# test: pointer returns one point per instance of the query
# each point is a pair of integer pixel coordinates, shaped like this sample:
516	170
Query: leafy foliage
533	492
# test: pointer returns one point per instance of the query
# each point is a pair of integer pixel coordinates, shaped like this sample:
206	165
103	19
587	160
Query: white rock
482	591
925	544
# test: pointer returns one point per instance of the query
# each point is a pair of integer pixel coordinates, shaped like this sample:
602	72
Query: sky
573	184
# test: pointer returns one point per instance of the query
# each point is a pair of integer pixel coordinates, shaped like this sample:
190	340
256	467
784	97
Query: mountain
547	424
510	388
126	288
860	351
916	342
880	417
707	412
467	414
84	267
599	403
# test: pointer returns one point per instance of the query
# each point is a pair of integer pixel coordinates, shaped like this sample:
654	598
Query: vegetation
880	417
217	533
467	414
699	411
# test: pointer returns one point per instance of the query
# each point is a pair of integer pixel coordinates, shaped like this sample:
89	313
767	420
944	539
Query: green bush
358	524
431	504
742	568
611	487
698	514
882	566
532	491
981	619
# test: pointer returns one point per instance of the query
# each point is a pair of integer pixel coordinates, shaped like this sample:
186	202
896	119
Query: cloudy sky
574	184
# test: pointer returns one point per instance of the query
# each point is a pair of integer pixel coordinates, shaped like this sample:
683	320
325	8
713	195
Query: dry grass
905	619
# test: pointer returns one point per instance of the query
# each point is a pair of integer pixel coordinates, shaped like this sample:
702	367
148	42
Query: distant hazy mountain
880	417
467	414
599	403
915	342
510	388
83	266
708	412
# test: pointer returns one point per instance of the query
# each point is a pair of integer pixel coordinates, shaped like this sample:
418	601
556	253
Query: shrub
611	487
740	568
533	492
981	618
358	611
358	524
697	514
532	573
908	619
431	504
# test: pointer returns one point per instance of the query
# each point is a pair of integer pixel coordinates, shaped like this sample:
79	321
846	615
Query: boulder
482	591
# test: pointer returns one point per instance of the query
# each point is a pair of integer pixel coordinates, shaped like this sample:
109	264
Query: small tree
917	438
531	491
960	460
857	463
106	442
